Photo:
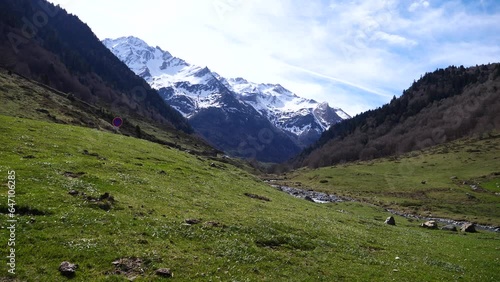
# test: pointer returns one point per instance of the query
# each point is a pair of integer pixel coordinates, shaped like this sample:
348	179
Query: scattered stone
468	227
449	227
106	196
73	192
453	177
213	165
431	224
162	172
258	197
130	267
213	224
390	220
164	272
192	221
67	268
423	182
29	157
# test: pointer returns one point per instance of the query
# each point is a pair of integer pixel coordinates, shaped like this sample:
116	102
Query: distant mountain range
245	119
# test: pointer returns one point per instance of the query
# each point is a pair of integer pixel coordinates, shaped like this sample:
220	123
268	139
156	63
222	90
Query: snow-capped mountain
303	118
237	103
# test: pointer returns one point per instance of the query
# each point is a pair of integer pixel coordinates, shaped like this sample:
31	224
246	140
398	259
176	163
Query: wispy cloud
354	54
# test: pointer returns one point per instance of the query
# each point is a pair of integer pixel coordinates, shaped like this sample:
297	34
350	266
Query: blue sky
353	54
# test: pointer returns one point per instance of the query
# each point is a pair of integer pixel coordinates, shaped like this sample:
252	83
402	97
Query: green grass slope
239	238
458	180
25	98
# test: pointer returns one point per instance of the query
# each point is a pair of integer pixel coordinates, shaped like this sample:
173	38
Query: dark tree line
81	52
441	106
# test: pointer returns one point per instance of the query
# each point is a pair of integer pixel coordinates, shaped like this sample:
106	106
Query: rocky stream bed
322	198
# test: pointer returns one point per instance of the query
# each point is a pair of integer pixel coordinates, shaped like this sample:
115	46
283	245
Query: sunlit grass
456	180
156	188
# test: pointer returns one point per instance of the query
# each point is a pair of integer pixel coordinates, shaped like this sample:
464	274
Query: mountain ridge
63	53
192	89
441	106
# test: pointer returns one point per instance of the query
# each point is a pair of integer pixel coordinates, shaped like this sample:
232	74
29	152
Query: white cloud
393	39
418	4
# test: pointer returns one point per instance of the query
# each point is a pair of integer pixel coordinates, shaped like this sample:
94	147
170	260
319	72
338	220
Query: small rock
390	220
67	268
164	272
192	221
423	182
73	192
106	196
213	165
449	227
431	224
453	177
468	227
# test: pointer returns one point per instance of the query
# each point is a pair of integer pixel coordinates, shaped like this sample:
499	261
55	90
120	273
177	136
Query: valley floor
122	208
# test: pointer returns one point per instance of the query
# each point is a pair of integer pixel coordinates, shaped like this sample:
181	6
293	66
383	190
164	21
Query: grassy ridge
456	180
239	238
26	98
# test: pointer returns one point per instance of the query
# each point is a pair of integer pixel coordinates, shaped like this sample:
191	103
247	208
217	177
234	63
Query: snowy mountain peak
190	89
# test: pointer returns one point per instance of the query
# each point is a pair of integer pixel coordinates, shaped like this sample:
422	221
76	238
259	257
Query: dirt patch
192	221
129	267
23	210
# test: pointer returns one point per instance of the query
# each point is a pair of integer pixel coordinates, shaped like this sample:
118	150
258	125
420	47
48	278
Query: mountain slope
22	97
441	106
63	214
44	43
195	91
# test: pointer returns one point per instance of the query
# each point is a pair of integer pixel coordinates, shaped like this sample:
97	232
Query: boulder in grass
164	272
67	268
390	220
469	227
431	224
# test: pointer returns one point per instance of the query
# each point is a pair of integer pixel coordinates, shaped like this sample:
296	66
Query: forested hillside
441	106
43	42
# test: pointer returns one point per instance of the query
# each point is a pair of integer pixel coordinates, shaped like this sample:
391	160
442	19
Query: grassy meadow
458	180
155	190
